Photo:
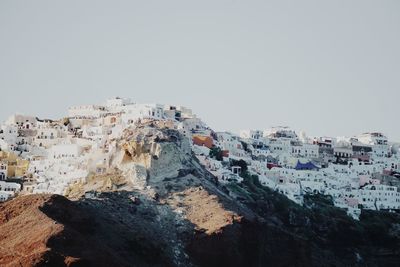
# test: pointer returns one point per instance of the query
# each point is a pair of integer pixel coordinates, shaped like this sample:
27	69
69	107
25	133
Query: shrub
216	153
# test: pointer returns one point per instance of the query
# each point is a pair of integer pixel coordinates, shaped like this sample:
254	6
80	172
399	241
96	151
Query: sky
329	68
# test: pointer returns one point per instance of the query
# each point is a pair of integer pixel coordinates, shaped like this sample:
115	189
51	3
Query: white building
191	126
3	170
280	146
48	134
378	141
116	103
8	137
61	151
304	150
177	112
22	121
135	112
8	190
251	134
380	197
280	132
86	111
4	196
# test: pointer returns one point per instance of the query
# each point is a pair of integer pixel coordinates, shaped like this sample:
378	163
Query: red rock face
25	231
49	230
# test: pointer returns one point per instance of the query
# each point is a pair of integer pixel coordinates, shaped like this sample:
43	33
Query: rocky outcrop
163	152
144	156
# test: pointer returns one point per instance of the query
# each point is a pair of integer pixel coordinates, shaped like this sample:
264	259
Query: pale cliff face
161	153
144	156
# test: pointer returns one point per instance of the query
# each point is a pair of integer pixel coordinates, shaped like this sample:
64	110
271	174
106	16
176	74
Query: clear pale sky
325	67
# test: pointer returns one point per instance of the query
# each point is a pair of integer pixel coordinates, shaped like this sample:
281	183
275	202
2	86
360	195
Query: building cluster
46	156
361	172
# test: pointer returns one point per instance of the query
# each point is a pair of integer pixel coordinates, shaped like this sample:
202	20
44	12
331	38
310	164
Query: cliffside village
47	156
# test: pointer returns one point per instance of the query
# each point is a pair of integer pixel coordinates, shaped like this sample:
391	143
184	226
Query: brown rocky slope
126	229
